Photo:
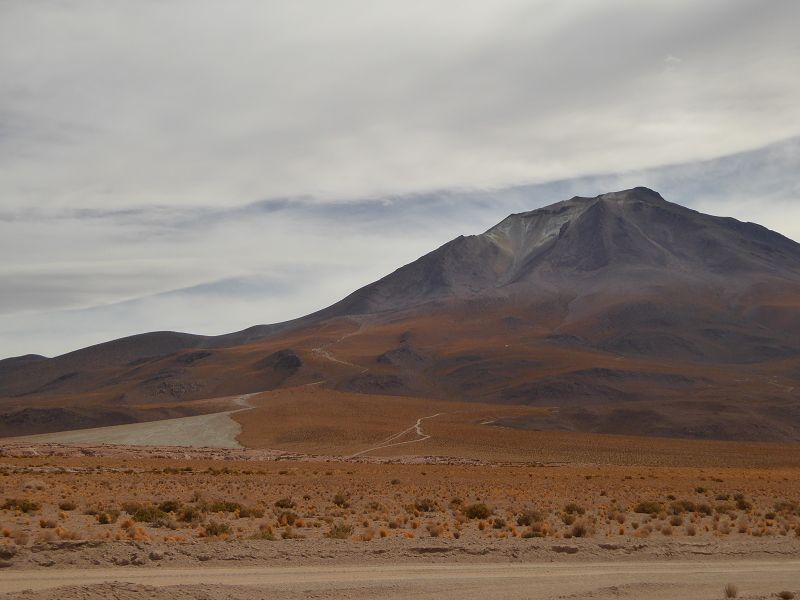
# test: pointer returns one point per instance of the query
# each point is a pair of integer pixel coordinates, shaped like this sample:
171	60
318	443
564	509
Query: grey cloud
185	103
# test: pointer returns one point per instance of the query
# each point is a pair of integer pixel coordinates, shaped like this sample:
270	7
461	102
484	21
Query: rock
203	557
7	552
138	561
5	564
156	555
121	562
565	549
610	546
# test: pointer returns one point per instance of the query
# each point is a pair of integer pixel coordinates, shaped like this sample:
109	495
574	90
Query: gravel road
655	580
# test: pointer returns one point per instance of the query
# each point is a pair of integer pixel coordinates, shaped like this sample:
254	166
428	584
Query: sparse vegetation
479	510
341	500
23	505
143	513
648	508
529	517
226	501
340	531
731	591
425	505
216	529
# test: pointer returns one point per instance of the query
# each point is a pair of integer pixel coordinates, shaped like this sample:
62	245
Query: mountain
623	313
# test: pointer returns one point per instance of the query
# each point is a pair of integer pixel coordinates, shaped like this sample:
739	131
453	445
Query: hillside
622	313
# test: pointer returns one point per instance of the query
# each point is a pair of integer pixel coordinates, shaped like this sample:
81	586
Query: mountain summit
618	241
621	313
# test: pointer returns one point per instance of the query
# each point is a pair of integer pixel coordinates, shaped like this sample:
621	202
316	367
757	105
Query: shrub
47	524
285	503
106	517
786	506
214	529
477	511
786	595
499	523
528	517
574	509
146	514
169	506
190	514
731	591
704	509
648	508
67	505
340	531
264	533
253	511
533	532
224	506
340	500
724	508
435	530
682	506
425	505
287	517
578	530
21	504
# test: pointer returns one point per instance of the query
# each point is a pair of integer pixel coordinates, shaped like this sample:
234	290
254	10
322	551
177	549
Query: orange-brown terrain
606	379
603	500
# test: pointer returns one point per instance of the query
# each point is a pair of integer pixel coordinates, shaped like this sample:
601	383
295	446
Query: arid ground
323	505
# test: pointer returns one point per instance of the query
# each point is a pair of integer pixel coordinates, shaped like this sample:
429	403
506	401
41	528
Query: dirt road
660	580
389	442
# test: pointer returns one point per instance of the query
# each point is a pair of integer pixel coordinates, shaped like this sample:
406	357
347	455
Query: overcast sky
205	166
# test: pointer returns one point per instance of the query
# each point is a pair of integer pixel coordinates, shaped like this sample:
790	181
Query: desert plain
349	495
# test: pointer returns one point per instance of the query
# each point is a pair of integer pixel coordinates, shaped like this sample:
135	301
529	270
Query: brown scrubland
174	501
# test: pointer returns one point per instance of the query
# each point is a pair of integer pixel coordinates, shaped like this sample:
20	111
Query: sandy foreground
636	579
530	569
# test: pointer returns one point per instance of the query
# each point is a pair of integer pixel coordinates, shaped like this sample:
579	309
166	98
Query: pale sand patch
217	430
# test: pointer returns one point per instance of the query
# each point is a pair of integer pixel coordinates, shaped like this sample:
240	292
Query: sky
203	166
